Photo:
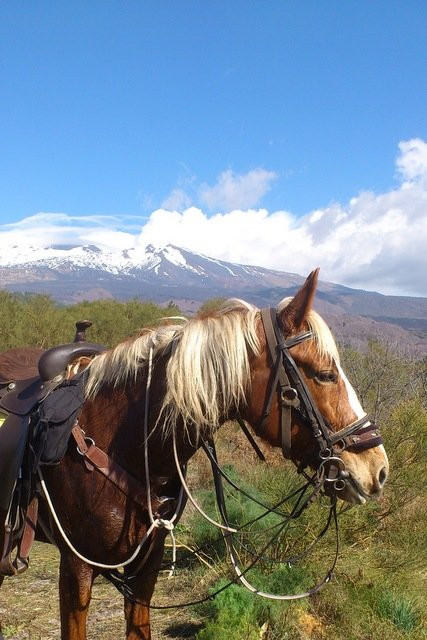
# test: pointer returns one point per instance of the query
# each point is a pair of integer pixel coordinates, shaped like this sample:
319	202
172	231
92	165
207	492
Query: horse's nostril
382	476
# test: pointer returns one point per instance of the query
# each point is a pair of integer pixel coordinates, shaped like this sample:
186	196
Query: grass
379	589
400	610
378	592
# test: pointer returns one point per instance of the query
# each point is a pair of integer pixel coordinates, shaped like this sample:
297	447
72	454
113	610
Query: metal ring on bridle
289	396
339	484
320	474
340	445
340	463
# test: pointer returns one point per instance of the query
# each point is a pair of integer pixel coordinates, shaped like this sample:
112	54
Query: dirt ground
29	606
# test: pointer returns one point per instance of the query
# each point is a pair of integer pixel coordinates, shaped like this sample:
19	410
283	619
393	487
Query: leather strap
110	469
280	380
22	559
12	566
363	439
250	438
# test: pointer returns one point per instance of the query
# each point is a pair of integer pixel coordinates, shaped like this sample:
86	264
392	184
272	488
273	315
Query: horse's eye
326	377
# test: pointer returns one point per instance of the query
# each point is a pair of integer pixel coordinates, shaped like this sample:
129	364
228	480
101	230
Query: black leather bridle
294	394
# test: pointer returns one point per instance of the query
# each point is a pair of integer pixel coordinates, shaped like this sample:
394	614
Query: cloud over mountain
375	241
233	191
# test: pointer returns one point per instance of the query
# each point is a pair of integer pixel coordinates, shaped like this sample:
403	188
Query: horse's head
302	401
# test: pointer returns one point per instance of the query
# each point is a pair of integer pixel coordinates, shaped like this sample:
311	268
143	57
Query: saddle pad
19	363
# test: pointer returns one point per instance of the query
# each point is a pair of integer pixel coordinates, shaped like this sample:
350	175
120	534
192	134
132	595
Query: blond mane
207	371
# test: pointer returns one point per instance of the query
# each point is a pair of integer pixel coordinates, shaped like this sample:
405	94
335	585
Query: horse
19	363
151	400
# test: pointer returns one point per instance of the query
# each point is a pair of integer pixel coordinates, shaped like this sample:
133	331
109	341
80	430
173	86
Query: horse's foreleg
75	587
137	620
138	615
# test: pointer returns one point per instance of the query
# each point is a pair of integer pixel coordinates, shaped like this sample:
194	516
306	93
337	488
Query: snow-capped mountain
75	273
152	266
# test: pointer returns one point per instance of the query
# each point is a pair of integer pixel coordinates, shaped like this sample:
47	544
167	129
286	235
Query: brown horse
176	383
19	363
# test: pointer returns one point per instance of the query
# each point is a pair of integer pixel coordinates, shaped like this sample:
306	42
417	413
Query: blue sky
117	109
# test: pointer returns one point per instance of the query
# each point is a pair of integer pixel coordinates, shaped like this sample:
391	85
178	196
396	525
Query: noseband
287	380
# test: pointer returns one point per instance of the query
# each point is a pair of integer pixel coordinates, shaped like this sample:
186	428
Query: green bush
38	321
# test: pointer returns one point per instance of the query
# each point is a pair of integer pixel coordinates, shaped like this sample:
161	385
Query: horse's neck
113	421
116	419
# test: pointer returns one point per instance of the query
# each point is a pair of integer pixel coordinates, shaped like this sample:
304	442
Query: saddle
28	379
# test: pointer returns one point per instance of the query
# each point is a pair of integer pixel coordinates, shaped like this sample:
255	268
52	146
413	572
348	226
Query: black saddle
54	362
21	399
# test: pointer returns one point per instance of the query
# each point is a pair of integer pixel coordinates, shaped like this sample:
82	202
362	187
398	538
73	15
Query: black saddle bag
54	419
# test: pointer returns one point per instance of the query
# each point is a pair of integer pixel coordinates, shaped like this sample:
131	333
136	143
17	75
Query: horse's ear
296	311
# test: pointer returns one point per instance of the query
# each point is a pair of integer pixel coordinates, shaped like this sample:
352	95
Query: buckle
88	441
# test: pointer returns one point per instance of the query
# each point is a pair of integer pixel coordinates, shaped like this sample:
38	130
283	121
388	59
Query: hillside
75	273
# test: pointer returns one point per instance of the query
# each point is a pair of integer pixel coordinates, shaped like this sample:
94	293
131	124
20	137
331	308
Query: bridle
287	381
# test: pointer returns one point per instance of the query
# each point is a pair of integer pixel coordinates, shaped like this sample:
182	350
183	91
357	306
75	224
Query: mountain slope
72	273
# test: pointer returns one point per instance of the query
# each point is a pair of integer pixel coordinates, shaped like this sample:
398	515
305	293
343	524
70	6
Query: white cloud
177	200
46	229
237	191
375	241
412	161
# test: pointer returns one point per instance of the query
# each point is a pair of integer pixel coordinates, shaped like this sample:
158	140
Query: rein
123	583
228	538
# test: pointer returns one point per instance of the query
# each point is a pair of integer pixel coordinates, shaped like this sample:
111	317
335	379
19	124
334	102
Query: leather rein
294	394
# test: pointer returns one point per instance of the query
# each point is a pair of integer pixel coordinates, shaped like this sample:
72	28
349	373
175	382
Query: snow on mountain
167	263
88	256
161	274
153	266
